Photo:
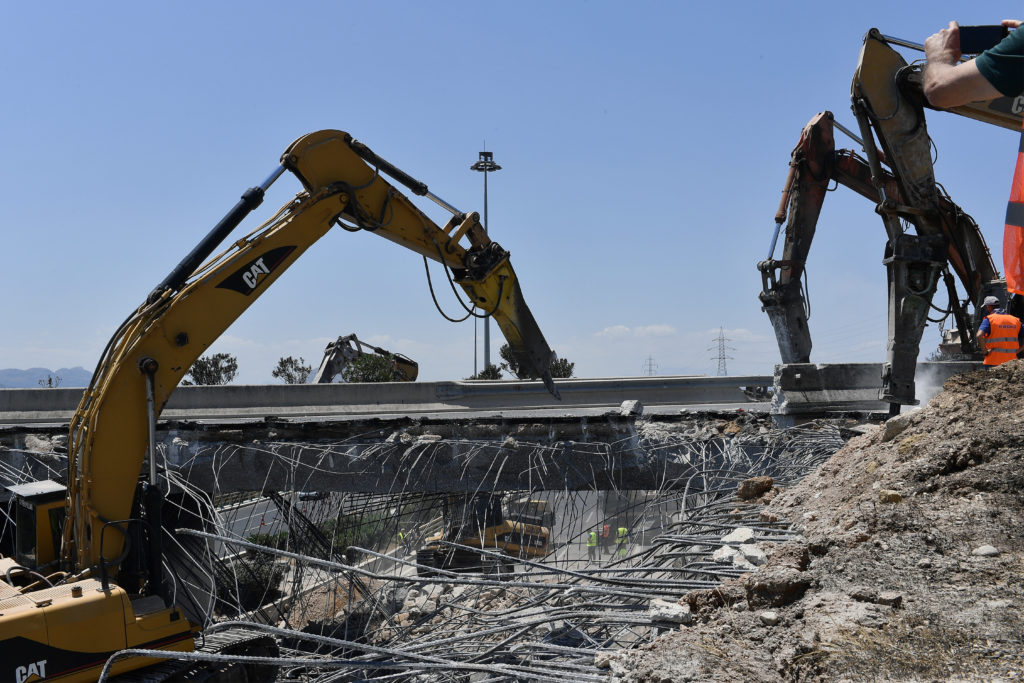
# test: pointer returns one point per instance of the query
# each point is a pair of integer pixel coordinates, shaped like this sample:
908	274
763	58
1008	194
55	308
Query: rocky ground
909	565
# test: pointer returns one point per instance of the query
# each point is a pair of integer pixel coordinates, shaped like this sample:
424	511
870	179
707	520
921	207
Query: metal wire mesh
348	602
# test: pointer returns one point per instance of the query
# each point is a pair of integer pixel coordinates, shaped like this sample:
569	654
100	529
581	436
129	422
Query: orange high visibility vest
1001	342
1013	230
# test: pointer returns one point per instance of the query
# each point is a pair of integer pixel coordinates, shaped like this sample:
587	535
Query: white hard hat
991	301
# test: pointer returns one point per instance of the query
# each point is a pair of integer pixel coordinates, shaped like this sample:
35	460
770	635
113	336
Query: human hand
944	46
1011	23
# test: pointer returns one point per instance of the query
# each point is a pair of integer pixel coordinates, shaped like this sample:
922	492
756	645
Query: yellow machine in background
532	511
88	582
479	521
343	350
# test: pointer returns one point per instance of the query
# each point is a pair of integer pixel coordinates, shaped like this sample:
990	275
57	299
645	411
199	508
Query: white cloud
654	331
613	331
741	334
621	331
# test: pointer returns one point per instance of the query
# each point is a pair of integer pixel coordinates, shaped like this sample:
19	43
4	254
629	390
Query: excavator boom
161	340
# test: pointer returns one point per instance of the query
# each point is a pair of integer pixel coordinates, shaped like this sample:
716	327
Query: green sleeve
1003	65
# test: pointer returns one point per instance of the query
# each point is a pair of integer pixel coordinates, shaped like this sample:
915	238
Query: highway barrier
24	406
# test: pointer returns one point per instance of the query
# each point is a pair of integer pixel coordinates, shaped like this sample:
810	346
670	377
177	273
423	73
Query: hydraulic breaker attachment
913	265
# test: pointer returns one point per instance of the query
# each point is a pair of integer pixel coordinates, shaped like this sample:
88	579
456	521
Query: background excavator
87	579
484	521
343	350
897	175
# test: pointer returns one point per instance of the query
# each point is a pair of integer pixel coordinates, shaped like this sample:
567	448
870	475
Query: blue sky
643	146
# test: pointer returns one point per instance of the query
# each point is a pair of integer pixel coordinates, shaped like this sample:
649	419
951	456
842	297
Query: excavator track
234	642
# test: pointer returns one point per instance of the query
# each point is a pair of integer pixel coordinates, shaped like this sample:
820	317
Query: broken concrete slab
404	454
809	389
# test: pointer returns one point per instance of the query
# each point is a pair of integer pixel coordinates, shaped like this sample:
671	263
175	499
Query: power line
650	368
721	349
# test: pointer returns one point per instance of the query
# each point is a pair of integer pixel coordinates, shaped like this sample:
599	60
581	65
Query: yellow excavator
86	580
344	350
480	521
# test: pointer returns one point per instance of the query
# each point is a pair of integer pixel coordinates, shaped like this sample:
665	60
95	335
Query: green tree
259	574
370	368
292	371
560	367
491	371
368	531
220	368
511	364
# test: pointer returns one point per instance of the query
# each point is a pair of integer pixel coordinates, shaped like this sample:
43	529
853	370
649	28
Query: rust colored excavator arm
815	165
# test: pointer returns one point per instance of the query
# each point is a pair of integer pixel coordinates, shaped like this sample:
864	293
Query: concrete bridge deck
27	406
448	436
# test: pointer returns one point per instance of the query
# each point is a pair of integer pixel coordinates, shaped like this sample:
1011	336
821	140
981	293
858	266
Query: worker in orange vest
606	536
1001	333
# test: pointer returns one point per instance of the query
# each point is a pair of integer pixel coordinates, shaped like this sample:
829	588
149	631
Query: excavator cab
478	520
37	510
471	516
532	511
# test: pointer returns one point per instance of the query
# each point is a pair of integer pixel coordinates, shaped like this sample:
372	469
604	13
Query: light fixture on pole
485	165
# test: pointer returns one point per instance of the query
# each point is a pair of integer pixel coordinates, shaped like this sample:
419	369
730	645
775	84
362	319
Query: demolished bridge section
611	452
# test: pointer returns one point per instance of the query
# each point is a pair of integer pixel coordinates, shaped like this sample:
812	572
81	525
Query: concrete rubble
907	565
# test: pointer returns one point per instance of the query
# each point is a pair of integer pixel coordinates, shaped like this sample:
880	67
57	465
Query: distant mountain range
12	378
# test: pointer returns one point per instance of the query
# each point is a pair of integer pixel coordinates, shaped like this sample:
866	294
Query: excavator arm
898	177
343	350
482	270
151	352
815	166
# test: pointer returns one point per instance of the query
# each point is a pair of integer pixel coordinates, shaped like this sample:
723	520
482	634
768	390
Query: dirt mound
910	563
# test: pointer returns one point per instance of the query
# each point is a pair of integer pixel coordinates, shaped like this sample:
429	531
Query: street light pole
485	164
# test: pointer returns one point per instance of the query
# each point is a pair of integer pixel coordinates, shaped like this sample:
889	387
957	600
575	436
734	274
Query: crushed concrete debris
632	407
741	535
38	444
755	487
725	554
752	554
889	496
874	589
662	610
46	450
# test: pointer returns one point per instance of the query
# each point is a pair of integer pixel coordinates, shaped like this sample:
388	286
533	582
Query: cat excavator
86	588
896	173
482	521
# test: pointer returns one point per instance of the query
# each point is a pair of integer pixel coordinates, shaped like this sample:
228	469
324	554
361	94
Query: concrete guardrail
20	406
